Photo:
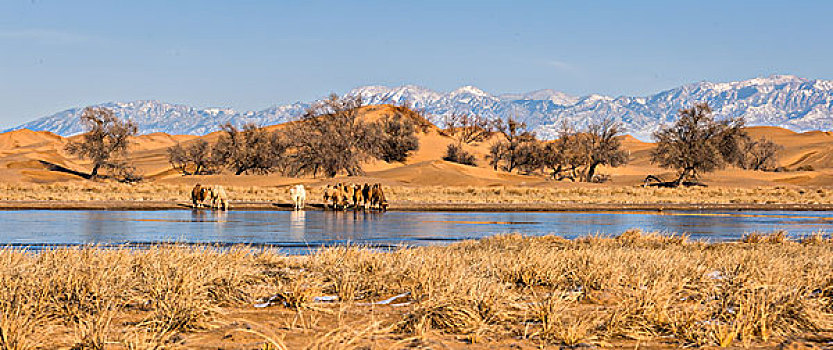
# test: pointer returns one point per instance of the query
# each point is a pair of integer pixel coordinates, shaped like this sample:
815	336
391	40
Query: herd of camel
356	196
336	197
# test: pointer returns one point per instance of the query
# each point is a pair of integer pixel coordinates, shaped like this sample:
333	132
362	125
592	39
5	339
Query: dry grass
613	194
777	237
87	191
539	291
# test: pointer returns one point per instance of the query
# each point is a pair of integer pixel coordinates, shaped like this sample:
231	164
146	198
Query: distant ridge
779	100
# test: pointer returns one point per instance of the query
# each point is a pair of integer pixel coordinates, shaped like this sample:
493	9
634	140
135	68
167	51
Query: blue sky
253	54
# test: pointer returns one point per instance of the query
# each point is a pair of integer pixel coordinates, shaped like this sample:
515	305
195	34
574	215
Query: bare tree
252	149
105	143
331	138
564	154
505	153
530	157
696	143
761	154
414	115
497	150
604	147
467	128
194	159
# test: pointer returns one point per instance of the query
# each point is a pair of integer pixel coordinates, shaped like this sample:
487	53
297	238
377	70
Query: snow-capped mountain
155	116
781	100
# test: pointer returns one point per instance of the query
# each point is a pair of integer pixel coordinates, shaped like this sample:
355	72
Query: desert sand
30	157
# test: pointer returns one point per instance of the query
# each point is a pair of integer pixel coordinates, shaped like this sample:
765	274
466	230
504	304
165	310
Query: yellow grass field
634	290
404	195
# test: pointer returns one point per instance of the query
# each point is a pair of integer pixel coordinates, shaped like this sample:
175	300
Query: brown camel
198	195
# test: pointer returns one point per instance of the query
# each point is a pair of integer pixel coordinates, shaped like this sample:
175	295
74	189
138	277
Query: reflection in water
220	216
99	226
300	228
198	215
296	225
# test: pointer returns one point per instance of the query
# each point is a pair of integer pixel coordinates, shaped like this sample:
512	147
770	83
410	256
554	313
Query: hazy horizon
252	55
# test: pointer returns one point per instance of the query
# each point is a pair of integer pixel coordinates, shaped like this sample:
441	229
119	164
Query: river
297	232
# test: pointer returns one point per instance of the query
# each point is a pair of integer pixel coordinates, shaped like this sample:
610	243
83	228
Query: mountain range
780	100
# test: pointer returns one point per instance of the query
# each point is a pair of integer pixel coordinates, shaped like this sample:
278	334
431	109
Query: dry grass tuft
541	290
636	236
816	238
777	237
563	321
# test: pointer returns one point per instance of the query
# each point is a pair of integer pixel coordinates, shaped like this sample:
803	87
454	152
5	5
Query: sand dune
30	156
25	138
814	148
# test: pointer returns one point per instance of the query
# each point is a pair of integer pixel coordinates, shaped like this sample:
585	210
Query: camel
348	193
298	195
218	196
377	198
358	198
343	201
340	199
366	192
198	195
328	191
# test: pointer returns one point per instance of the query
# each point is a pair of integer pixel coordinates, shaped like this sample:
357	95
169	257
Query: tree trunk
591	171
556	171
682	177
94	173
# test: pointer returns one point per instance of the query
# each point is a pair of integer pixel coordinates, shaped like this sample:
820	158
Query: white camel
299	196
218	196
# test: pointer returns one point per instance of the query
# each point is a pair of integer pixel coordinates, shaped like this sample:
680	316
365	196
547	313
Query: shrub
455	153
397	139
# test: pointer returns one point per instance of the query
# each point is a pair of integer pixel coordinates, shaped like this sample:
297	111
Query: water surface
297	231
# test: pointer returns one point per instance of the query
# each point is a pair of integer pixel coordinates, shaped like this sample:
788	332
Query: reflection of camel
297	224
197	215
222	215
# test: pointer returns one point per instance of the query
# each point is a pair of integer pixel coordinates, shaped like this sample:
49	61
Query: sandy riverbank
412	206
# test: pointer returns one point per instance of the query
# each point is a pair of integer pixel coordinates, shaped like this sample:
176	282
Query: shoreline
414	206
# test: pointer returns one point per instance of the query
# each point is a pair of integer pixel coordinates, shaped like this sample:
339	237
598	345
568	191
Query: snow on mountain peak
778	100
219	110
771	80
556	97
469	90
